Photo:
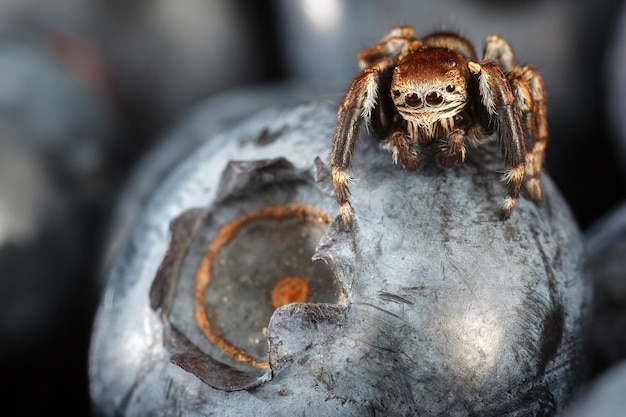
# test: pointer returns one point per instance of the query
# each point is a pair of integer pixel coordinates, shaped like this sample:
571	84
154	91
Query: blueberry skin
446	309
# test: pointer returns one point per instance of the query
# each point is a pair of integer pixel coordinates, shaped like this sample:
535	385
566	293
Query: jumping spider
430	95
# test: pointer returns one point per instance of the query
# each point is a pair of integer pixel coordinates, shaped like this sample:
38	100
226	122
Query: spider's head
430	84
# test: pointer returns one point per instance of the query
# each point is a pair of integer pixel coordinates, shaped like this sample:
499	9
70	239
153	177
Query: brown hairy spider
429	95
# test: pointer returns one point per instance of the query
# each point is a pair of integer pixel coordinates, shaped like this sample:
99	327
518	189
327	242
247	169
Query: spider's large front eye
434	98
413	100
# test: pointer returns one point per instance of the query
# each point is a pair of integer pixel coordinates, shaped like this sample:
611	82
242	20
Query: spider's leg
398	143
498	99
397	43
399	32
452	150
524	104
499	49
530	97
356	109
538	131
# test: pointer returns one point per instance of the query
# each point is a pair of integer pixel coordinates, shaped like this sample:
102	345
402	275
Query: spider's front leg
356	109
498	99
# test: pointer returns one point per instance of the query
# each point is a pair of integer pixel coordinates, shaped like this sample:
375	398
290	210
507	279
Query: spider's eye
452	63
413	100
396	93
450	88
434	98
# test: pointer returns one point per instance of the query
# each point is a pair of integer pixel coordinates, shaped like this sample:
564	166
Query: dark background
141	65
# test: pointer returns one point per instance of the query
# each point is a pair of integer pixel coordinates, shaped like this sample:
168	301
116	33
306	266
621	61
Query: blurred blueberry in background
85	87
614	82
57	137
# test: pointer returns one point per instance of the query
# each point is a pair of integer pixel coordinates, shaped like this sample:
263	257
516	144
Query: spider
430	95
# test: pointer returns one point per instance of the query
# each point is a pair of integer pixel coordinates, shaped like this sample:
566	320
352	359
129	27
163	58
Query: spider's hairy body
429	120
431	95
